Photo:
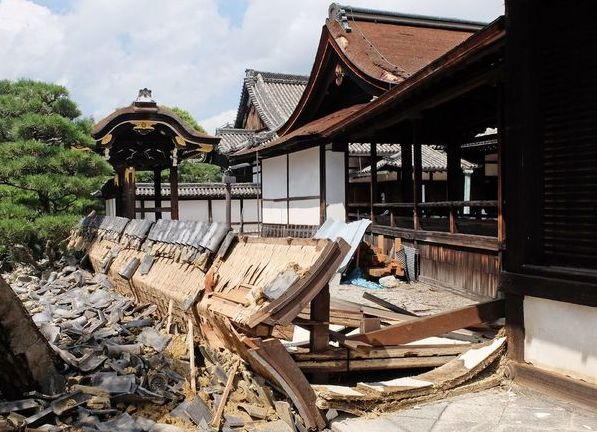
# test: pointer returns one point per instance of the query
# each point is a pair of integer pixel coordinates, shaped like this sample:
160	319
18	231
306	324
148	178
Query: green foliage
186	117
47	168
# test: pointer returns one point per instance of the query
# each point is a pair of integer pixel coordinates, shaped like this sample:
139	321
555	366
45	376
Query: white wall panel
561	337
304	212
304	173
274	212
274	177
334	169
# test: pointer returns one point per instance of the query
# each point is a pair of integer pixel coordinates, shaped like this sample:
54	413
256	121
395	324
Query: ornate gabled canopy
147	136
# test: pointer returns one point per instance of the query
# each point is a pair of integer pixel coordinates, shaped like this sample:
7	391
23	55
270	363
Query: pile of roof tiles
125	372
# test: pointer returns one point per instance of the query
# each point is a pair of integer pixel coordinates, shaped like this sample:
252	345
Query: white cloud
190	55
211	123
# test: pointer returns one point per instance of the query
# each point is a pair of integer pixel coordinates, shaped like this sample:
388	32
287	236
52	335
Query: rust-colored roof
377	50
483	42
393	52
311	130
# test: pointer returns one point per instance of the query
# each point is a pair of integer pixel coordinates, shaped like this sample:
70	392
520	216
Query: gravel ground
416	297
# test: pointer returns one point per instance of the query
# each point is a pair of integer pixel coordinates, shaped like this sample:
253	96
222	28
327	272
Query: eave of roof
490	38
154	113
274	96
312	131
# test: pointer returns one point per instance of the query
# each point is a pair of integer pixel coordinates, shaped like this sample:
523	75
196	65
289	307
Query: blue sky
191	53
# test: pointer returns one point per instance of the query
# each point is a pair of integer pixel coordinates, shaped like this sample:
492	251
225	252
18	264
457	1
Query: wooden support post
319	338
455	180
322	185
418	174
346	183
242	216
129	192
373	184
228	195
142	200
174	193
209	211
157	192
392	221
287	190
406	173
191	342
320	312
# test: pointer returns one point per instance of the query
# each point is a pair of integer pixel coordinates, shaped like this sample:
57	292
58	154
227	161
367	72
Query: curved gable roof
375	50
274	96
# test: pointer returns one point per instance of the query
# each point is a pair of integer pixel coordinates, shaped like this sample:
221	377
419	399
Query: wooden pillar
119	185
346	183
319	338
322	185
210	217
242	216
418	174
455	180
228	195
157	192
373	183
287	190
406	174
174	193
129	192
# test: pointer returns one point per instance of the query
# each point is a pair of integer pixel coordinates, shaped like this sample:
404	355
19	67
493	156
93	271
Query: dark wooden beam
559	385
406	173
418	173
455	180
319	337
157	191
174	193
129	192
373	183
434	325
346	182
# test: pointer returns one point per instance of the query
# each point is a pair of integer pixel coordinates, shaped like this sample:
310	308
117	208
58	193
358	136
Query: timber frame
145	136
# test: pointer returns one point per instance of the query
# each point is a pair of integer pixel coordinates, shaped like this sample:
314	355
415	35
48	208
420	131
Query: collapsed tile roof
432	160
201	190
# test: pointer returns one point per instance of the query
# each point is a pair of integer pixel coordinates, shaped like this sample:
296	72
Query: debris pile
124	372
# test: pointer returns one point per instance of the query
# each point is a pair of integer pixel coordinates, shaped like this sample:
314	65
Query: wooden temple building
526	231
474	143
364	55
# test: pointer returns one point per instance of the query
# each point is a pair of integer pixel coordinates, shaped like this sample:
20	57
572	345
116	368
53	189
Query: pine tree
48	170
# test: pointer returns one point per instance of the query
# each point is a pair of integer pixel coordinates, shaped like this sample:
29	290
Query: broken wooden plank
215	423
386	304
433	325
191	343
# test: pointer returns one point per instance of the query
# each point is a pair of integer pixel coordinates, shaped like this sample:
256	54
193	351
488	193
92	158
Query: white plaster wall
251	210
196	210
274	177
274	212
561	337
304	173
304	212
334	166
218	211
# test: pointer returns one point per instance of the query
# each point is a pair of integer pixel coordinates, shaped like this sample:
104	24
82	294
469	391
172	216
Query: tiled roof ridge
277	76
345	13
